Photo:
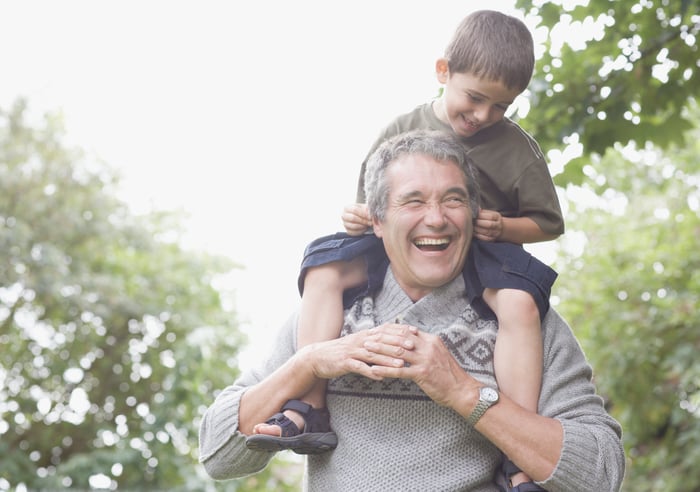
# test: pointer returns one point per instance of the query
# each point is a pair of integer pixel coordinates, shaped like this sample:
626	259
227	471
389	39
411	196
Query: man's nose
435	214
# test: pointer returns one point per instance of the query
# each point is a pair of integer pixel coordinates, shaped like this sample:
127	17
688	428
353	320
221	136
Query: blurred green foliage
611	71
632	298
113	339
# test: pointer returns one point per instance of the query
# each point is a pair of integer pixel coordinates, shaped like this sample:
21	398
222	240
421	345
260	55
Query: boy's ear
442	70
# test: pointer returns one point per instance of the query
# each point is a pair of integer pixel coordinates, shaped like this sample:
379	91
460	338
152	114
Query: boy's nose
483	113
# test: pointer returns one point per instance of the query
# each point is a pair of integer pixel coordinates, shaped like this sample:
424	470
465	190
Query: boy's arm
492	226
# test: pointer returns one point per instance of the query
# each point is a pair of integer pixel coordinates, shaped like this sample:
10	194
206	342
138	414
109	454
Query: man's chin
433	281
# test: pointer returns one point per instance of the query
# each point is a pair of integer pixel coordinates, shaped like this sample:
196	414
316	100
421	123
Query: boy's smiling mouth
474	127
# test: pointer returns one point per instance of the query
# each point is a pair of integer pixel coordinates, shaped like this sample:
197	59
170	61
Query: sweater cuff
578	447
220	423
222	447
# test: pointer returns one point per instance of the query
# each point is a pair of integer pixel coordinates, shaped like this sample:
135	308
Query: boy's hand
489	225
356	219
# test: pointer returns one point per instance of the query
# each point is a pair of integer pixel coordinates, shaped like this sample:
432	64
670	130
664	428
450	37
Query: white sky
252	117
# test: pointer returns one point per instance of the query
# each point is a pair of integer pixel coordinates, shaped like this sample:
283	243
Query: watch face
489	394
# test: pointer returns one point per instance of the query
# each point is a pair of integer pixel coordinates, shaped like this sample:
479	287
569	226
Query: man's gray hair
441	146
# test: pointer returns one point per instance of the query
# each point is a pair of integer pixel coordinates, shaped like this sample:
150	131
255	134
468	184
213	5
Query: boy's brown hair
494	46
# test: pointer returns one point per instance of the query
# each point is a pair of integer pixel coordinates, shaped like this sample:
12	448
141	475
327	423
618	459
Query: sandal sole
309	443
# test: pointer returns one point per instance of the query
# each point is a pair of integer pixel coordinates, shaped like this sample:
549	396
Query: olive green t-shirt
513	173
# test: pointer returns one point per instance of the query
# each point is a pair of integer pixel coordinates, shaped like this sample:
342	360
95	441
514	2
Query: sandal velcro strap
298	406
316	420
287	426
316	438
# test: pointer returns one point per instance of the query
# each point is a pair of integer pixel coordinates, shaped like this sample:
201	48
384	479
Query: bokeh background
163	164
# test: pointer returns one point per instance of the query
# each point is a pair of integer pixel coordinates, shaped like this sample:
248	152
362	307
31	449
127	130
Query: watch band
487	398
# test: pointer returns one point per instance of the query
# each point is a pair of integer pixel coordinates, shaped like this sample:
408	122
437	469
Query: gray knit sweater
392	437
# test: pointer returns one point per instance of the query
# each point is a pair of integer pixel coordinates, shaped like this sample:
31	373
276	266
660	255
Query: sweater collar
437	309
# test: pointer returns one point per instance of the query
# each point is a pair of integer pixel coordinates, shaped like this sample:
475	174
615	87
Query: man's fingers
396	328
398	352
389	344
363	369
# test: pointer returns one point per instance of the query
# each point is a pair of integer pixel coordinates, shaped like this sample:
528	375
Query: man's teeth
431	242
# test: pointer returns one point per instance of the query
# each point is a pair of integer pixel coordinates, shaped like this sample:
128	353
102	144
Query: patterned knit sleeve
222	448
592	456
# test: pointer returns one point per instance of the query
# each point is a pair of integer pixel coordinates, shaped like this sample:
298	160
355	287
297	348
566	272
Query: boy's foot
317	436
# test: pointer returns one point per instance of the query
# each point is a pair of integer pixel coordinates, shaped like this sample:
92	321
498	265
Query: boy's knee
514	304
328	274
337	275
354	273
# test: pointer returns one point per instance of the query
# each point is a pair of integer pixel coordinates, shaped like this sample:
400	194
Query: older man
411	383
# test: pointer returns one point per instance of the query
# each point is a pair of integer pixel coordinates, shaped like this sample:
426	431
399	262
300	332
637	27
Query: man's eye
413	203
455	201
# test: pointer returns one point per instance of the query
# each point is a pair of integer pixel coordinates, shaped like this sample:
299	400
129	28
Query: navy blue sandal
317	437
510	469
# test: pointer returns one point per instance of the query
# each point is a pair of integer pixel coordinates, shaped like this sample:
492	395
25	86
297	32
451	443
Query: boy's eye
475	99
480	100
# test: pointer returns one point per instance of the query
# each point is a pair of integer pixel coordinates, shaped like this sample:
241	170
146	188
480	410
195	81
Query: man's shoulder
557	333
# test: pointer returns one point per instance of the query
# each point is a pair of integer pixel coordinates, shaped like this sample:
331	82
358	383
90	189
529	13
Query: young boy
488	63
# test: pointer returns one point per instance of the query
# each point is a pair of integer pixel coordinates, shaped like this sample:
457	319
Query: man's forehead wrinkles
410	194
458	190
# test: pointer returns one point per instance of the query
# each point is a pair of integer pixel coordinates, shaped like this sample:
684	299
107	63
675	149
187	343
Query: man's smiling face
428	223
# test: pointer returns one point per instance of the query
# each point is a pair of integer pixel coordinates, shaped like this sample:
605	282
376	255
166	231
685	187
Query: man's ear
442	70
377	227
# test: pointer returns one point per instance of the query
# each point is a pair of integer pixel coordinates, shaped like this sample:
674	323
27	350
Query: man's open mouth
431	244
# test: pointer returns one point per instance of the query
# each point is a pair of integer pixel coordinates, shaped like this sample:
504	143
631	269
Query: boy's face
470	103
